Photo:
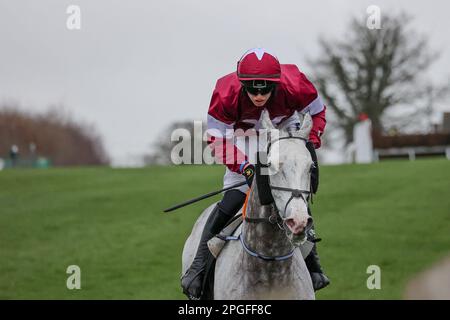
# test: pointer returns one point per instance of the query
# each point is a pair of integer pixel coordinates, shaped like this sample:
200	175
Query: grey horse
242	269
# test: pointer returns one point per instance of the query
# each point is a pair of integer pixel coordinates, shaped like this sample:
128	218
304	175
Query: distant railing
411	145
410	140
39	162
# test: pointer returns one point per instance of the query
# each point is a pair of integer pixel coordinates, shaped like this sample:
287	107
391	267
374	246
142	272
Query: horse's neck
262	237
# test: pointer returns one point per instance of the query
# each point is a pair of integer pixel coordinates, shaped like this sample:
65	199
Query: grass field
110	223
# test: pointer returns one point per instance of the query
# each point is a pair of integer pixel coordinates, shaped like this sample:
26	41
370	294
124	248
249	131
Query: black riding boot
318	277
312	261
192	281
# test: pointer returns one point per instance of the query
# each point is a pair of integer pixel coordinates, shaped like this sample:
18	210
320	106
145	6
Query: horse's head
289	169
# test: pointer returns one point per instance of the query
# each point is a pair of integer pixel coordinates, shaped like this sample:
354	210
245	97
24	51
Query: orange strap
244	210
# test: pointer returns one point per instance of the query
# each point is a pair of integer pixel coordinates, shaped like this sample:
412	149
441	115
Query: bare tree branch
371	71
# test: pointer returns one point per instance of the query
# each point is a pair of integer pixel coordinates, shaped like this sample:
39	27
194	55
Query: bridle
275	217
295	193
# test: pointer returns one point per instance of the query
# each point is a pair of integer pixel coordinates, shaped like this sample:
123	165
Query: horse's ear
306	126
267	130
266	123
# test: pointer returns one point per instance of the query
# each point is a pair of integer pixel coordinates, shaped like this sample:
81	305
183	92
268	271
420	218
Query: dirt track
432	284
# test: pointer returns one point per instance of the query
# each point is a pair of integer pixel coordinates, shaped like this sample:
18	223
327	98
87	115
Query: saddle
216	243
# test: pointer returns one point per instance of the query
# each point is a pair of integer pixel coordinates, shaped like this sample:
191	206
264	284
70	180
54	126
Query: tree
189	131
54	135
373	70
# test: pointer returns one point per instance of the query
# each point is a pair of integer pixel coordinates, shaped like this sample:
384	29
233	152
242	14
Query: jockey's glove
248	171
315	167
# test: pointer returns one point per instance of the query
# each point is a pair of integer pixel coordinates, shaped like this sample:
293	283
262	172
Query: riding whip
204	197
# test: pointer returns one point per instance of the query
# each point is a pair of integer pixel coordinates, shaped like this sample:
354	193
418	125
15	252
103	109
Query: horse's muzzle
298	227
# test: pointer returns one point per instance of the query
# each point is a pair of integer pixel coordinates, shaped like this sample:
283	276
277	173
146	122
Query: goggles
255	87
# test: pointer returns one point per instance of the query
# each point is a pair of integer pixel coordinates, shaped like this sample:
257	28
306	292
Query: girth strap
258	255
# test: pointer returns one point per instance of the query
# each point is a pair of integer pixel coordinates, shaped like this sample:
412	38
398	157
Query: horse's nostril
290	222
295	226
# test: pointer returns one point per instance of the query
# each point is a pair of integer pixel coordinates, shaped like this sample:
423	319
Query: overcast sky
136	66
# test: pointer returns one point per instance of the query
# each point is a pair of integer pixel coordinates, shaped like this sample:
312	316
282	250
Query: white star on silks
259	53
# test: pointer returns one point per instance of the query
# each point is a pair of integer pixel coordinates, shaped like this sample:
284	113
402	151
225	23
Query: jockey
237	103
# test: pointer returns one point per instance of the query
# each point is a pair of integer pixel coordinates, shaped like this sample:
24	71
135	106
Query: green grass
110	223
